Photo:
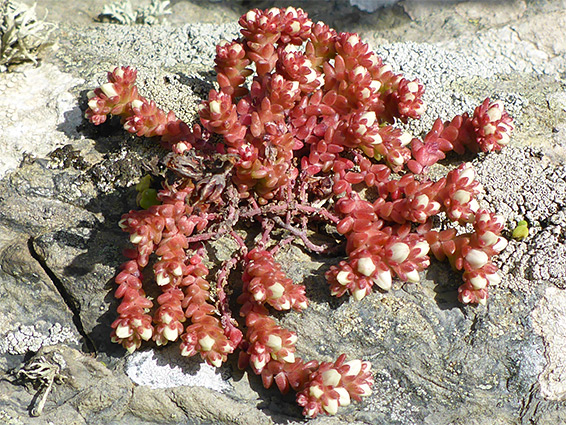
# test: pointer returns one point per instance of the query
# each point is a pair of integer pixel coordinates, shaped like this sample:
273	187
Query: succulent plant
302	124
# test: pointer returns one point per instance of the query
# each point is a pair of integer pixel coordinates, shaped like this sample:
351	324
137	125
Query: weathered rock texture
65	183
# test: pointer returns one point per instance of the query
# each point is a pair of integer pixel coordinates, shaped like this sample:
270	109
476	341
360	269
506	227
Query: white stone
164	368
549	322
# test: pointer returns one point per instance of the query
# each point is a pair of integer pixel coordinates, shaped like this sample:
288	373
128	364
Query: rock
89	394
24	122
371	5
550	323
435	362
33	313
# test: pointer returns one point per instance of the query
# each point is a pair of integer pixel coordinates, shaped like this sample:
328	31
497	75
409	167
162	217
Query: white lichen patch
32	337
549	321
167	369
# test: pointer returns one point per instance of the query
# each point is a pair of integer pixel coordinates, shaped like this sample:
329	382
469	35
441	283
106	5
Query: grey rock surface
65	183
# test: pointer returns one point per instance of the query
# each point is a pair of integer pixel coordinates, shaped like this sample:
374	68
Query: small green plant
147	196
21	33
521	231
122	12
